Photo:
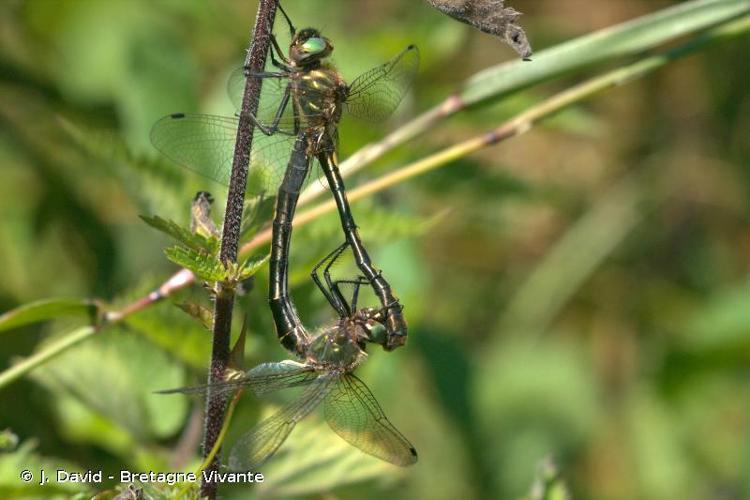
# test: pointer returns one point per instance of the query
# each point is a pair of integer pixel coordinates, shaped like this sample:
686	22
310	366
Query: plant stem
224	301
217	446
66	342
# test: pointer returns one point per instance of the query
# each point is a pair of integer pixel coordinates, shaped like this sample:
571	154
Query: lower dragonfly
327	374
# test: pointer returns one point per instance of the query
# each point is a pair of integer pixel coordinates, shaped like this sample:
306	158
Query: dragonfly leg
395	324
292	29
355	294
273	128
289	328
268	74
284	64
331	292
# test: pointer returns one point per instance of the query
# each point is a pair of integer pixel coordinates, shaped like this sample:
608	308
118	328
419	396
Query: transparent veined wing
270	377
262	379
274	92
354	414
205	145
262	441
375	94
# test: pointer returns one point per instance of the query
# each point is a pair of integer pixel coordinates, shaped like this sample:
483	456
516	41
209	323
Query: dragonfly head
309	47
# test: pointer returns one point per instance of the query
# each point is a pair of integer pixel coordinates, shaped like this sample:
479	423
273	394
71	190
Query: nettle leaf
384	225
183	235
103	391
48	309
251	266
198	312
205	266
173	331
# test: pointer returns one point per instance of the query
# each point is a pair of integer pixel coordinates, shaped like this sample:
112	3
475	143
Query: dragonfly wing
202	143
262	379
205	145
262	441
375	94
220	388
354	414
272	94
269	377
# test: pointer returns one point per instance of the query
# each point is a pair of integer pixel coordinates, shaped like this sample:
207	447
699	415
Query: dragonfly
301	105
326	372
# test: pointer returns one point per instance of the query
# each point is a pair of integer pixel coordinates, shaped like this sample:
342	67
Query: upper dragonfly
306	93
301	105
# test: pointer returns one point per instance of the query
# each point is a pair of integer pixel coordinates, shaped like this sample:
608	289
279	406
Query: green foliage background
579	292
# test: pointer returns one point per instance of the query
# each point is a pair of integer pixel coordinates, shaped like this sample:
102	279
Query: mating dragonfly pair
301	105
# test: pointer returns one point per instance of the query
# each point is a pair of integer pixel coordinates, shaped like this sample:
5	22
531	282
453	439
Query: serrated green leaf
174	332
47	309
205	266
251	266
183	235
104	391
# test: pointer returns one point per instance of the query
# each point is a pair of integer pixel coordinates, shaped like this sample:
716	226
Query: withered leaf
489	16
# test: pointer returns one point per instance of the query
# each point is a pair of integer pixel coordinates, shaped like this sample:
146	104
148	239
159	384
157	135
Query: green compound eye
314	45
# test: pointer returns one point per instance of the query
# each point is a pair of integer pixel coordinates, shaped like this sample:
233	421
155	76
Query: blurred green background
580	292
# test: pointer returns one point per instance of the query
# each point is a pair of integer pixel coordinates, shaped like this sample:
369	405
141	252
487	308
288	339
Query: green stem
49	352
227	420
181	493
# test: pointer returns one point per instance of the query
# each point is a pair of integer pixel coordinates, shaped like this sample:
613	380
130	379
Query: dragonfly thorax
319	95
339	347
